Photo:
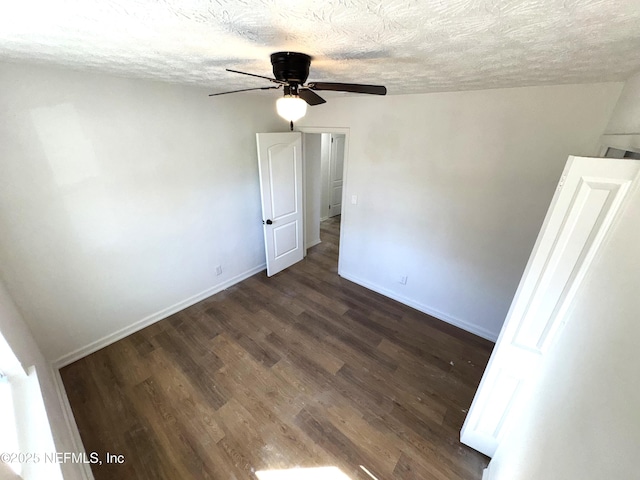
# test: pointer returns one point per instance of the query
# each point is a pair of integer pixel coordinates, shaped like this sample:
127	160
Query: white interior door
590	193
280	167
336	170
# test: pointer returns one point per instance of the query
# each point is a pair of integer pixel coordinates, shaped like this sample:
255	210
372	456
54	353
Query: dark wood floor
302	369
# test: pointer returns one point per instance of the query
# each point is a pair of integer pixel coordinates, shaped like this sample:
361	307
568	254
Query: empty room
345	240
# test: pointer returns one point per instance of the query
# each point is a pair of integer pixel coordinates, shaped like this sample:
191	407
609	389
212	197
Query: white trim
344	130
629	142
469	327
313	243
486	474
78	447
304	195
81	352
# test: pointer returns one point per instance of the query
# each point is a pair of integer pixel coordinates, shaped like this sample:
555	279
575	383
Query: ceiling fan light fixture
290	72
291	108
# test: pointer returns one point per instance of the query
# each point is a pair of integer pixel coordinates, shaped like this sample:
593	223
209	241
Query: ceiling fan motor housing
291	67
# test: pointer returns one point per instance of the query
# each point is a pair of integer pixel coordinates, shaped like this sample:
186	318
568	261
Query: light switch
354	199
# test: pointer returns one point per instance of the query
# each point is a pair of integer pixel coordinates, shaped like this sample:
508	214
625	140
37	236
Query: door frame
345	182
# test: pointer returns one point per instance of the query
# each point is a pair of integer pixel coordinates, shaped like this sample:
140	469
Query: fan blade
310	97
348	87
244	90
259	76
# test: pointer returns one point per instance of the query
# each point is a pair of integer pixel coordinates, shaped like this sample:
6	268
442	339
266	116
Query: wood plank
301	369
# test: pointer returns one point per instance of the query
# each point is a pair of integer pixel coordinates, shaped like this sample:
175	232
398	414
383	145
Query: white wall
119	197
626	116
312	144
17	334
583	420
453	187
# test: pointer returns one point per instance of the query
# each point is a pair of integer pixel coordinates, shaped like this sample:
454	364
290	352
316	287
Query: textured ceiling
409	46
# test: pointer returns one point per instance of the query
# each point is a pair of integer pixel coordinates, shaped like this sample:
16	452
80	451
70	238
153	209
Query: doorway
325	155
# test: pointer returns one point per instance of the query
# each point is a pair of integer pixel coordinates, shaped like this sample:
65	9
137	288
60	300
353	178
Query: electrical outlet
219	270
403	280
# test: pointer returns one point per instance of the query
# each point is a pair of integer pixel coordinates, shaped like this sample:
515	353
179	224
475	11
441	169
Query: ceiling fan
291	70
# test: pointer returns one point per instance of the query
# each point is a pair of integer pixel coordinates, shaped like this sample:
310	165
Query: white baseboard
469	327
83	469
81	352
313	243
324	218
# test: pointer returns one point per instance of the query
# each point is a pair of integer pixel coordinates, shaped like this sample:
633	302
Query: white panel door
336	170
280	167
589	195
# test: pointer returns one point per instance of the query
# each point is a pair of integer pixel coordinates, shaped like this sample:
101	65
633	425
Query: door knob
269	222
